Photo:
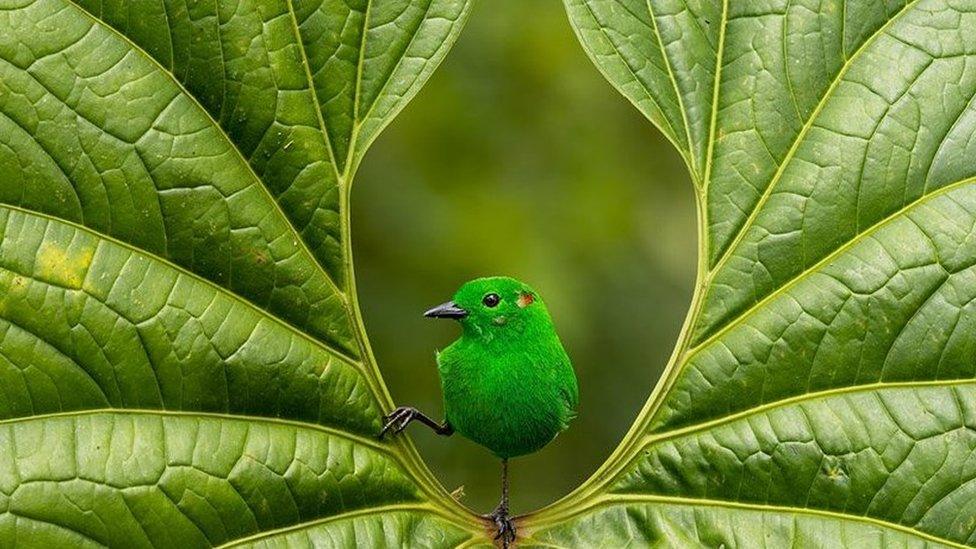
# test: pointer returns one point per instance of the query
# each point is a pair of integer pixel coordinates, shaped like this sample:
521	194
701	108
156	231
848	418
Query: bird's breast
512	408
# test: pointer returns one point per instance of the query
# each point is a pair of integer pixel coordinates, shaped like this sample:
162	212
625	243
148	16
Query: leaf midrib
354	142
357	364
608	500
826	260
348	166
713	120
692	154
348	515
374	445
306	66
570	505
656	438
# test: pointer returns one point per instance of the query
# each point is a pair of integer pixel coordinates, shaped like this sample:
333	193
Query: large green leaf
182	360
822	391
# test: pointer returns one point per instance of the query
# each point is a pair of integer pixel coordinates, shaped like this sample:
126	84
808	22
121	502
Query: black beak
446	310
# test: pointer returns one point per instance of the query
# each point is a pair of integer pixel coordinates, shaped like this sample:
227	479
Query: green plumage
508	383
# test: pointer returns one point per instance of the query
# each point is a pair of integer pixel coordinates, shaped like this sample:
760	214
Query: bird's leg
504	522
402	416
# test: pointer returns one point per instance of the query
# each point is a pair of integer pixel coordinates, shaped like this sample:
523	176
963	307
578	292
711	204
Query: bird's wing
571	389
570	395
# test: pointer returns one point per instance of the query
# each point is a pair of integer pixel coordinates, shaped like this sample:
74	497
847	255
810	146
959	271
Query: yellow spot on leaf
63	266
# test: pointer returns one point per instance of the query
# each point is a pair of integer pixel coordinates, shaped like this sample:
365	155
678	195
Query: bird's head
495	305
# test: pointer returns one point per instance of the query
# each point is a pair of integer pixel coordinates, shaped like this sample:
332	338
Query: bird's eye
491	300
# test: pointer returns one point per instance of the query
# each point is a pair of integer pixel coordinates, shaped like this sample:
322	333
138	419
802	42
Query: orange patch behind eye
525	299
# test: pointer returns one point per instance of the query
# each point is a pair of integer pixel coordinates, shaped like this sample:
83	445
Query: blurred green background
518	158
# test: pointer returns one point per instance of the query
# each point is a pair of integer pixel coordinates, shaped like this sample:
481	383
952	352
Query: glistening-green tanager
507	381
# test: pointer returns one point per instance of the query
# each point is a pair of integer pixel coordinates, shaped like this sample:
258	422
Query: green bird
507	381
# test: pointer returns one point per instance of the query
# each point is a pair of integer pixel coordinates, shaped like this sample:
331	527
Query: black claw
398	420
504	524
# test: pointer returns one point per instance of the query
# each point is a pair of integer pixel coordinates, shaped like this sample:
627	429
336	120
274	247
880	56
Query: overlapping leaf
182	361
823	391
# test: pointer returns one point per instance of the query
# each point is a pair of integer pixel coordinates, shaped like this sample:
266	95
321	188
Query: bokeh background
518	158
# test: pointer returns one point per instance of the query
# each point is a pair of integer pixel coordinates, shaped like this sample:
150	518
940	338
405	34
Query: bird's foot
398	420
504	524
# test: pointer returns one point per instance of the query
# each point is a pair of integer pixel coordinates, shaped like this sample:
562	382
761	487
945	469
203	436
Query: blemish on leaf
12	291
834	470
63	266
